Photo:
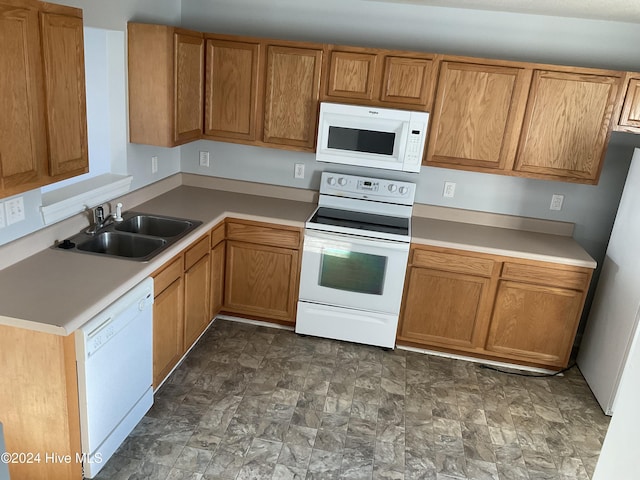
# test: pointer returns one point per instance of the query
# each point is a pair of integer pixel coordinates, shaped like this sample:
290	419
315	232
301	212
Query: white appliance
4	466
613	319
354	259
115	374
371	136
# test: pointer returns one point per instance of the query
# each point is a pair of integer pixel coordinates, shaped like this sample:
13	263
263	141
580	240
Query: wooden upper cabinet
351	75
477	116
62	44
231	92
166	84
567	125
189	85
292	87
630	116
23	151
380	77
408	80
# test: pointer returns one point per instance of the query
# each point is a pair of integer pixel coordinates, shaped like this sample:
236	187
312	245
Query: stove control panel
355	186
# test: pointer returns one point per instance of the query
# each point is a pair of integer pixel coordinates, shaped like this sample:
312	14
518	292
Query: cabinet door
292	88
261	280
477	115
534	323
62	42
217	278
351	75
168	330
567	125
231	89
23	153
189	86
630	116
407	81
196	297
445	309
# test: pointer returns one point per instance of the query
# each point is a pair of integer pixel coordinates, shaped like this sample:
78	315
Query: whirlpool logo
373	112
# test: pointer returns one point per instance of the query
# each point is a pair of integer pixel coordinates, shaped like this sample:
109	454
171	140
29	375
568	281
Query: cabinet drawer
196	252
217	235
167	275
263	235
545	275
450	262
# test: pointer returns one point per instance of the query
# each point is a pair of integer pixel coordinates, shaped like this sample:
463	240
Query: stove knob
392	188
331	181
342	181
403	190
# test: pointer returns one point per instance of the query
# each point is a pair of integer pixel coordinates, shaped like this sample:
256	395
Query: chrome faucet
99	221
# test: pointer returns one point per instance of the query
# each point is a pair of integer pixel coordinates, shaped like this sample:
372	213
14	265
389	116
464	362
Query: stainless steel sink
139	236
154	225
123	245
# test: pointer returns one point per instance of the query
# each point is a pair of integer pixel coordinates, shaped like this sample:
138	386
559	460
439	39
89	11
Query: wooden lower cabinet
534	323
262	270
493	307
197	280
218	251
447	300
168	319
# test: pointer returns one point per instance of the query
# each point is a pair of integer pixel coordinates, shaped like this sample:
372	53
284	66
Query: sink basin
154	226
122	245
139	237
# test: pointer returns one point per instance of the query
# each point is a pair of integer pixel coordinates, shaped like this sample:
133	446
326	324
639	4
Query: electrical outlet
2	224
298	171
449	190
556	202
154	164
204	159
14	210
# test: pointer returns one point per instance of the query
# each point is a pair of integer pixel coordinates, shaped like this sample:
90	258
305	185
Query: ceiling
617	10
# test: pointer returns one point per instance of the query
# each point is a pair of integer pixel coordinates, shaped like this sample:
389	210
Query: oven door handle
356	240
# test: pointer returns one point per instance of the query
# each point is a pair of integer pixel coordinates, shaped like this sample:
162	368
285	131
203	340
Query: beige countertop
57	291
500	241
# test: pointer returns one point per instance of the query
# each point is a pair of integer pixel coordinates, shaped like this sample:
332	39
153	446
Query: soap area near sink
133	236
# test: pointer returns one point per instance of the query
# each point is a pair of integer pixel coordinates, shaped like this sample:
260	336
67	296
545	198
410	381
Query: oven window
356	140
352	271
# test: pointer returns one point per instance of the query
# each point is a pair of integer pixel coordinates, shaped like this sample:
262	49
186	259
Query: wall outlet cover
2	224
449	190
556	202
298	171
14	210
154	164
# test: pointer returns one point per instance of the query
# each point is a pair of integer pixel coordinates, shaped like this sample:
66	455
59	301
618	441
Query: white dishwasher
115	374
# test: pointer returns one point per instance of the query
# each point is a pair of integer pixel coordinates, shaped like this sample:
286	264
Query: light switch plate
14	209
204	159
2	224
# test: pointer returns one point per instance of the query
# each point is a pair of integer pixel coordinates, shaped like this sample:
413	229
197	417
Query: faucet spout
99	221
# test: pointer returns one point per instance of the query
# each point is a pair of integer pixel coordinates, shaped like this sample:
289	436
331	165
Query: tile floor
252	402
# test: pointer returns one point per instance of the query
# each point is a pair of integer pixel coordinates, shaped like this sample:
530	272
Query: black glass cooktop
361	221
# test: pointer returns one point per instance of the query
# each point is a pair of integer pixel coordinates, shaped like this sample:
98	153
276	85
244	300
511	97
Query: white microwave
371	136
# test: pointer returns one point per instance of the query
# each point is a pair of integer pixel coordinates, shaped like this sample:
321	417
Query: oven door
354	272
